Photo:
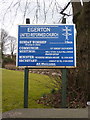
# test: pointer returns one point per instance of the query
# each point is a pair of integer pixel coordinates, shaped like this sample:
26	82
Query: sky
14	12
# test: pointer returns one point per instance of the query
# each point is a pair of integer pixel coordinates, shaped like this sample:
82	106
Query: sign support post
26	71
64	83
26	74
64	88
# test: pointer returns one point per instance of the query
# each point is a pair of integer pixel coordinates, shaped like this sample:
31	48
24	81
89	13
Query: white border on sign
74	45
47	66
17	47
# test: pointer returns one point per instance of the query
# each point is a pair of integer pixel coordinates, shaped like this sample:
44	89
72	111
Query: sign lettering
46	46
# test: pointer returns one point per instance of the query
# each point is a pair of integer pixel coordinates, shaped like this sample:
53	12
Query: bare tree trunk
80	77
76	7
86	23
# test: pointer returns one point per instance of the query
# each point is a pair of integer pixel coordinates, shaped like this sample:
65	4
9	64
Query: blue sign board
46	46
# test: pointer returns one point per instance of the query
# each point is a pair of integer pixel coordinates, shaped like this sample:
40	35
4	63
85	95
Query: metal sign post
64	83
26	75
64	88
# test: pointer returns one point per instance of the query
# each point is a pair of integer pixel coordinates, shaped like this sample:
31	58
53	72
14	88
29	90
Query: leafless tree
39	11
8	43
4	37
12	45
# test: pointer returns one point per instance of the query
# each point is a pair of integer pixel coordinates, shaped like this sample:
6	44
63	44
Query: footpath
47	113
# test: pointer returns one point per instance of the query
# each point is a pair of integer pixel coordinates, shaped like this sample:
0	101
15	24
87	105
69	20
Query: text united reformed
39	32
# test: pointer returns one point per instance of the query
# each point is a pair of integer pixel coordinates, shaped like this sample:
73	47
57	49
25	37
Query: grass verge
13	87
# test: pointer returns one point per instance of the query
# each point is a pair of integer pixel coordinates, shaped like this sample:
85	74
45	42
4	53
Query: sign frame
47	67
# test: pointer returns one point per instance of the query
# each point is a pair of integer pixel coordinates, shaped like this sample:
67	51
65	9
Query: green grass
13	87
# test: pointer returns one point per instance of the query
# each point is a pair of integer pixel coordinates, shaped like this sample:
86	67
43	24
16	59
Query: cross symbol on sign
67	34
